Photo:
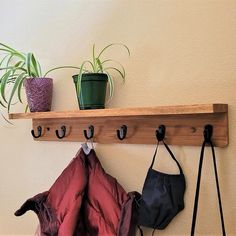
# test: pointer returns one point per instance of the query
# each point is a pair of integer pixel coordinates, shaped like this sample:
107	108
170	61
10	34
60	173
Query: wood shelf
184	123
119	112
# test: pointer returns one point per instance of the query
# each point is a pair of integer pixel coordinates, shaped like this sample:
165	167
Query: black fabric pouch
162	196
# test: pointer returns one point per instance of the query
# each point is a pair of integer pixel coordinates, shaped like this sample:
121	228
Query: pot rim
91	77
91	73
31	78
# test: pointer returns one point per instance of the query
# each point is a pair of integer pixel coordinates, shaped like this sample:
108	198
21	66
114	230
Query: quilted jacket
84	201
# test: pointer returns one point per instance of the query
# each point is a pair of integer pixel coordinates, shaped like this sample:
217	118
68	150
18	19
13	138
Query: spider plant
98	64
16	67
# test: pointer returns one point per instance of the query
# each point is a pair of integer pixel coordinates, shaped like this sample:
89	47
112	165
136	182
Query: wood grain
184	124
119	112
184	130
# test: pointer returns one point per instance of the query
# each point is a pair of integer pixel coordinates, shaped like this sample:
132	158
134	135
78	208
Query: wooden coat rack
184	124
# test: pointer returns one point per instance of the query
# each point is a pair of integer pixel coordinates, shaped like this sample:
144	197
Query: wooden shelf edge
120	112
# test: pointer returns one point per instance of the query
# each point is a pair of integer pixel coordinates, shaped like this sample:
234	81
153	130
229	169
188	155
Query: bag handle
171	154
198	188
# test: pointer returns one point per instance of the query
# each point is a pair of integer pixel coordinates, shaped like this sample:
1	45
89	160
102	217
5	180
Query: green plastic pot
93	90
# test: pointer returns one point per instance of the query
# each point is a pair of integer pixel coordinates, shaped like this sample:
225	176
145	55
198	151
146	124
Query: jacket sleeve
46	215
58	209
129	215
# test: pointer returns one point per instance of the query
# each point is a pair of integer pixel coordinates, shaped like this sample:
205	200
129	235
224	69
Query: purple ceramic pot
39	93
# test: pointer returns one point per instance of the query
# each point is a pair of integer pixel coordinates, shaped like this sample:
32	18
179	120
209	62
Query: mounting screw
193	129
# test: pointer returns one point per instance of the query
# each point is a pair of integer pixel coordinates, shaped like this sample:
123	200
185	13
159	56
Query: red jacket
84	201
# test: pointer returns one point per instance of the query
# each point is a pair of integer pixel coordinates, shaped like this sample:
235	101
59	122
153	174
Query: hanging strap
171	154
198	189
140	230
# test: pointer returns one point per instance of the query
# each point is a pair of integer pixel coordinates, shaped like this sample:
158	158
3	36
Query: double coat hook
121	133
63	132
90	133
207	133
160	133
39	129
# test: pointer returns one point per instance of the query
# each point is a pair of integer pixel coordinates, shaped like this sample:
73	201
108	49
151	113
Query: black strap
198	189
171	154
140	230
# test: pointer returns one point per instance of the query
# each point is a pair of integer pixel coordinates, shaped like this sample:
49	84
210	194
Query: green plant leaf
99	65
1	103
12	78
94	60
113	44
110	60
9	49
9	60
78	85
26	108
5	46
20	86
61	67
4	79
6	119
34	65
13	68
5	50
117	70
12	53
28	63
16	84
18	64
111	86
39	69
4	58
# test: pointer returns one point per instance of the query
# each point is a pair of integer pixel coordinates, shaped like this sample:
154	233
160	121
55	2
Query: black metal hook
63	132
39	129
208	131
89	134
160	133
121	133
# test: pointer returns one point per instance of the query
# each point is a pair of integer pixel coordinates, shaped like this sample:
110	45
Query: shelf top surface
119	112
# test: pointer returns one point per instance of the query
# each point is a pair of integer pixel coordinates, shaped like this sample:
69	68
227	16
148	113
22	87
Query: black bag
162	196
207	141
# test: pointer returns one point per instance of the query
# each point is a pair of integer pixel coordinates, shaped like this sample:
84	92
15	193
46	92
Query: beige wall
182	52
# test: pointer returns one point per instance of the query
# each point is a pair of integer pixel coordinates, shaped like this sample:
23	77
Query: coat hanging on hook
69	197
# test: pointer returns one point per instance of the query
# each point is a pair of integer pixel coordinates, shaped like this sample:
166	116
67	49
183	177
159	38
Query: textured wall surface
182	52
